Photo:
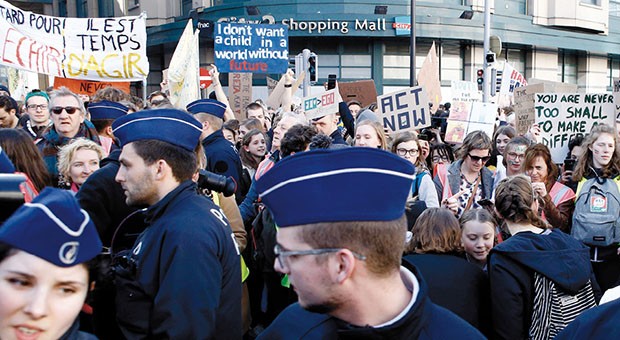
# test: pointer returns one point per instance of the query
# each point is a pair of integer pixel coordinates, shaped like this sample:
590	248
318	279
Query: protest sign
405	109
240	93
251	48
466	117
112	49
364	91
524	106
89	87
320	105
511	79
271	84
563	116
428	78
465	91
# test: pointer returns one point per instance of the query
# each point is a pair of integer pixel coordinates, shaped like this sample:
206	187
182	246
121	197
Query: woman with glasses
467	181
557	199
406	146
440	154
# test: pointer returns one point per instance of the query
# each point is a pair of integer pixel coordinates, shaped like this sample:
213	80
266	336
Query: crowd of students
491	221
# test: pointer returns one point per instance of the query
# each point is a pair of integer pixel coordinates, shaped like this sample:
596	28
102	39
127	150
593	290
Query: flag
184	69
511	79
428	77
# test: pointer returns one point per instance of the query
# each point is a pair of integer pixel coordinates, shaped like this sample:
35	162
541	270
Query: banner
251	48
184	69
89	87
563	116
428	78
320	105
239	93
405	109
511	79
364	91
466	117
111	49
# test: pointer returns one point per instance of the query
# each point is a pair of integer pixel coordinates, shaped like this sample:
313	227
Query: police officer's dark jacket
222	157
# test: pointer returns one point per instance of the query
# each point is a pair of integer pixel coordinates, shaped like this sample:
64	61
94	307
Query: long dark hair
25	156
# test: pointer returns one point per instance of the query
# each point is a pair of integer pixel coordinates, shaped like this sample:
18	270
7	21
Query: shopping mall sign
402	25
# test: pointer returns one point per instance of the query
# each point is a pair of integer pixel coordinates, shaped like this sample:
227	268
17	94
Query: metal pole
306	55
144	90
412	78
487	32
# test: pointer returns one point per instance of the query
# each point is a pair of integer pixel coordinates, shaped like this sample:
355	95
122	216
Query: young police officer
181	279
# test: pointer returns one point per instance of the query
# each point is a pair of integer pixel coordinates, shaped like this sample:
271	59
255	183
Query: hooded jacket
512	264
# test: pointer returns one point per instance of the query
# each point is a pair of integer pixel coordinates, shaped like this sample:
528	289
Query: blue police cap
210	106
351	184
106	110
54	228
167	125
4	88
6	166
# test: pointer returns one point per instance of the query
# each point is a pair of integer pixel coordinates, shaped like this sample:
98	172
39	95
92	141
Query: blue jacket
222	157
424	320
182	279
597	323
512	264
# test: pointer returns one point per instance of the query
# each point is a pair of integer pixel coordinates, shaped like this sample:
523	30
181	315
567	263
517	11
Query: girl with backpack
540	279
596	219
406	146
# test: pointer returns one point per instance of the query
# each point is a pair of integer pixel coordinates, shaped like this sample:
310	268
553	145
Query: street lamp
412	78
486	45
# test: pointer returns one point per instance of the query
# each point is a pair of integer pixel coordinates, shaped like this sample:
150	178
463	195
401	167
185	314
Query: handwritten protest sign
465	91
320	105
405	109
240	93
524	100
428	78
466	117
364	91
511	79
93	48
251	48
89	87
563	116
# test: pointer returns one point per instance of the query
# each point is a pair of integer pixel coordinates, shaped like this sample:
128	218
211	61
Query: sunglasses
70	109
477	158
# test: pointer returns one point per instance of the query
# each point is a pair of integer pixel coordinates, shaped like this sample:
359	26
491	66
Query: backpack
596	220
554	308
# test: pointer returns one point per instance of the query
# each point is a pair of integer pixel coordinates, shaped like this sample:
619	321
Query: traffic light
313	68
480	74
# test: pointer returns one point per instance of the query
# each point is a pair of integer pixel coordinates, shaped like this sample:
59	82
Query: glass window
106	8
614	8
613	65
567	67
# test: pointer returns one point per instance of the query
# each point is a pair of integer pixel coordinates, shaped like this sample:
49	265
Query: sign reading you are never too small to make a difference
253	48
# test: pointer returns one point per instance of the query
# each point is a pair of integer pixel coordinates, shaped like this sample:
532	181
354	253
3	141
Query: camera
425	134
212	181
11	196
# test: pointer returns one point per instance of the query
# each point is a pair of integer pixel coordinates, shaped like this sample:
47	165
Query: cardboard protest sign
465	91
428	78
563	116
405	109
466	117
239	93
320	105
89	87
251	48
112	49
364	91
524	100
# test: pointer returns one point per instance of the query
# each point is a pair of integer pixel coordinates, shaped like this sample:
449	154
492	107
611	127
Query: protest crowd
322	217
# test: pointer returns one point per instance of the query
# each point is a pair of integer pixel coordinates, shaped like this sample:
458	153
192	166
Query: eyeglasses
404	152
70	109
437	159
478	159
516	155
277	250
37	107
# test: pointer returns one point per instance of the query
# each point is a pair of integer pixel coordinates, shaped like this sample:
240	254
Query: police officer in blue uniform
222	157
343	256
181	279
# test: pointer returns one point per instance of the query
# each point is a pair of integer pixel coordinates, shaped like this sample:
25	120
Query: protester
467	181
575	150
528	269
46	248
440	153
512	159
257	111
77	161
188	251
156	98
37	119
501	137
406	145
68	117
477	235
229	129
346	261
328	125
599	166
354	107
27	159
558	199
370	133
453	283
8	113
222	157
252	152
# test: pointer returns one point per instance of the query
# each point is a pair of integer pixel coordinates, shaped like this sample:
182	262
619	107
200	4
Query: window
614	8
106	8
396	59
567	67
613	66
81	9
186	7
591	2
